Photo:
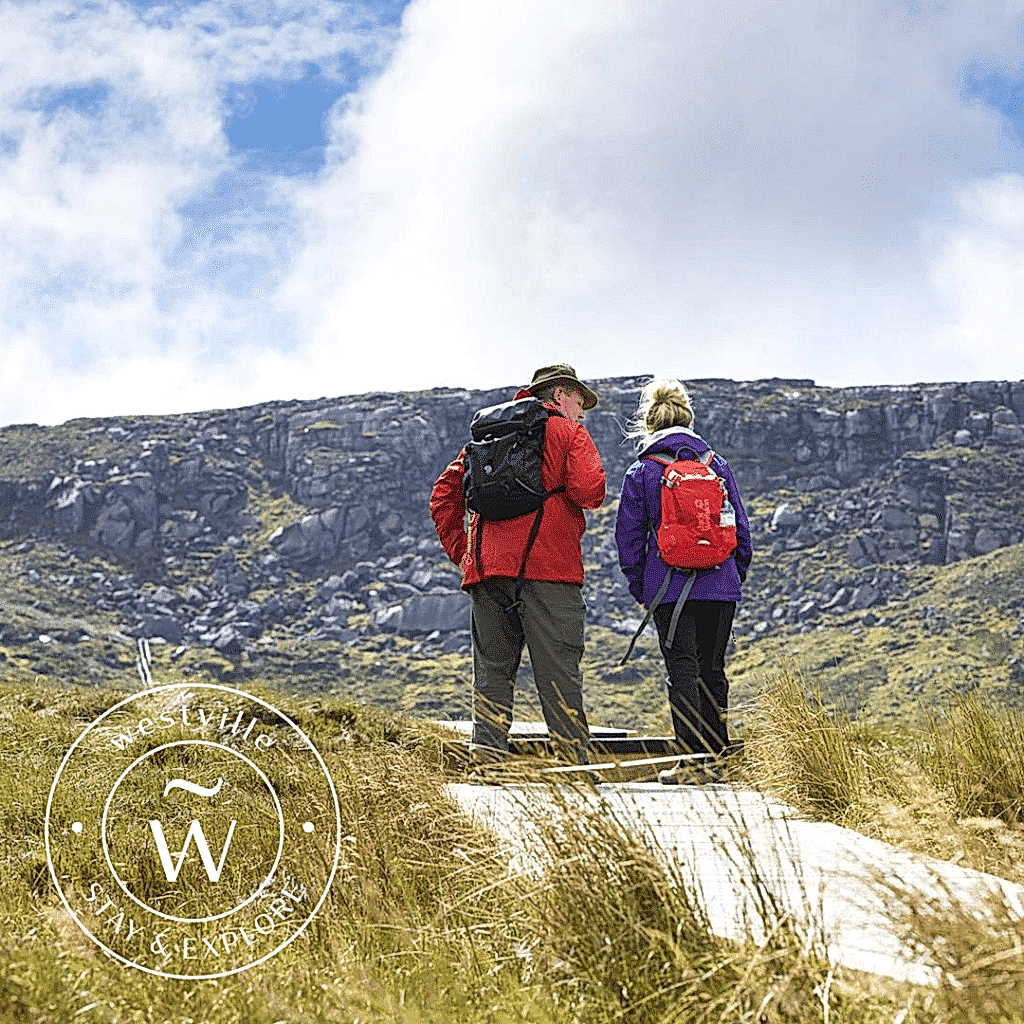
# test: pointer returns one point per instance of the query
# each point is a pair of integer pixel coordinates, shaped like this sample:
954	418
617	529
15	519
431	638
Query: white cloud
705	189
979	270
713	189
114	295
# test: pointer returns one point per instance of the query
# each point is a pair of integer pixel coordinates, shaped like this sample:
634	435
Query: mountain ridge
236	534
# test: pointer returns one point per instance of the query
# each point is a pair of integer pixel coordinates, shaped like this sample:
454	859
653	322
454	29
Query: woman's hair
663	403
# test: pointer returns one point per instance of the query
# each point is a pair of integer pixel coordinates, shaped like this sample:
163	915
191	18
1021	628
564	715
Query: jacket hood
670	439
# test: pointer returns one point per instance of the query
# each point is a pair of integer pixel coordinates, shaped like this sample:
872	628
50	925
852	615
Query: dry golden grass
953	791
424	921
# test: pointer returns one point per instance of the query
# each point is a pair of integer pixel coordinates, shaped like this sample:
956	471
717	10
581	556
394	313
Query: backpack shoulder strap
663	459
534	530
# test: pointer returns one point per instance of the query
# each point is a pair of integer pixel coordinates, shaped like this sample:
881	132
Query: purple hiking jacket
639	517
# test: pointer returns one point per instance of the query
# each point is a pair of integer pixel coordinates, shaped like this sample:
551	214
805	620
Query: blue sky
213	203
279	127
1002	92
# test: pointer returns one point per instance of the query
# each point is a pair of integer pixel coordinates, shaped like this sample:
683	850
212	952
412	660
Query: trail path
843	889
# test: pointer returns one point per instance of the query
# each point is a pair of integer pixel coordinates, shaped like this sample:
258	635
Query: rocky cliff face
313	515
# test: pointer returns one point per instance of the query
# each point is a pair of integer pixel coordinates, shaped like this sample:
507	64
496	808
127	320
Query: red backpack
698	522
697	531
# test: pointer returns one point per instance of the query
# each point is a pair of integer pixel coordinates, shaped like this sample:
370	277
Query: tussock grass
978	958
425	922
977	753
415	926
953	790
624	937
948	790
805	752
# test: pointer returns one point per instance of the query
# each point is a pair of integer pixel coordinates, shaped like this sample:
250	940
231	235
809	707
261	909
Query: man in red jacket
549	615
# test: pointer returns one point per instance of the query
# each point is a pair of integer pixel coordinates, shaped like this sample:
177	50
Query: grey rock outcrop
875	477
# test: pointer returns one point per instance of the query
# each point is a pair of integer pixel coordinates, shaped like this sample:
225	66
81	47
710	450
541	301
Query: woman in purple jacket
698	690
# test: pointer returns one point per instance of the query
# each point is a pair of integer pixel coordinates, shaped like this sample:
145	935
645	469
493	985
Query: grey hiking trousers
550	623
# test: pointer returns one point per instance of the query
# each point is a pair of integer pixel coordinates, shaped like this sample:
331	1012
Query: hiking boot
679	773
692	773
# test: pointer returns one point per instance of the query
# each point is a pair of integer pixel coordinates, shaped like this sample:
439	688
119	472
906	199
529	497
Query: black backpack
504	467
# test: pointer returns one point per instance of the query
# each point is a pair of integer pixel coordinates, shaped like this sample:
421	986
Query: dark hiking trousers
698	691
550	623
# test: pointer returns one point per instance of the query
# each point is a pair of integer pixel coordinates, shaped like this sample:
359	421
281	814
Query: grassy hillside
425	923
957	628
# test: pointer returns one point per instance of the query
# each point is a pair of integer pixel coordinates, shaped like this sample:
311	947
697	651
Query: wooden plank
601	747
534	730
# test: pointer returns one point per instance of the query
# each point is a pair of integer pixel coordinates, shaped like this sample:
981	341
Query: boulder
338	607
803	538
422	579
330	587
979	424
117	534
897	519
425	614
988	539
163	595
311	528
862	550
288	542
332	519
786	517
159	626
69	511
389	618
1007	433
863	597
138	492
357	520
228	643
957	544
144	539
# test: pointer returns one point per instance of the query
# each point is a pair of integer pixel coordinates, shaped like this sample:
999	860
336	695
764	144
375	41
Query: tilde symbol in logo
195	832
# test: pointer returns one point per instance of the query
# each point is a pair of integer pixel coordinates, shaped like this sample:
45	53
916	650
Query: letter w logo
195	832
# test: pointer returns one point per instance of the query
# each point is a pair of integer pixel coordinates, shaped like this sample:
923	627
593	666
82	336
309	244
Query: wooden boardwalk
844	891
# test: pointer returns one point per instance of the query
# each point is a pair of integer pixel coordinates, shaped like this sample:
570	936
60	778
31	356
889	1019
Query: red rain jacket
570	460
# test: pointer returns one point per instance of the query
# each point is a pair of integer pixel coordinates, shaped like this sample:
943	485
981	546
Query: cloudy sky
209	204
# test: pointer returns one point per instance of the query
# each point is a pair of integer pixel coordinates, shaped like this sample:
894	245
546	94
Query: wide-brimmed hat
562	373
